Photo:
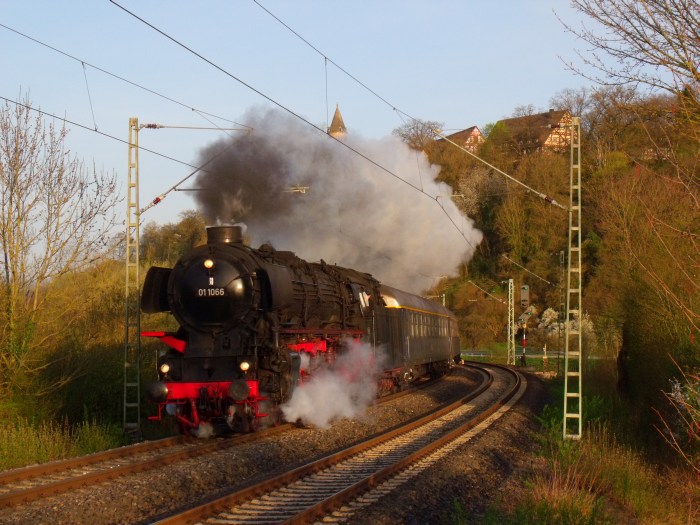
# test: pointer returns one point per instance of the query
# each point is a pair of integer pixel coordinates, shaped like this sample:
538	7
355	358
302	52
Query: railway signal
524	296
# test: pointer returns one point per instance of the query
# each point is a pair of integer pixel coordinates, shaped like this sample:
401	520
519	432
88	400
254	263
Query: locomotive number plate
210	292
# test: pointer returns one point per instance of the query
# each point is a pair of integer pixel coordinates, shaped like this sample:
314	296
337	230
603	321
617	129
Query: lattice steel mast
511	323
573	379
132	340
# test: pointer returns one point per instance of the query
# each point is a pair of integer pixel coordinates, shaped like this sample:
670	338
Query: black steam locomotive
256	323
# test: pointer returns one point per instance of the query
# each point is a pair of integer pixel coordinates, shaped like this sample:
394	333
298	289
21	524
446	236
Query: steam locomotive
257	323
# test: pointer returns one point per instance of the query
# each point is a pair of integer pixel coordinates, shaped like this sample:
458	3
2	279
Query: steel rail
43	469
72	482
78	480
256	489
356	490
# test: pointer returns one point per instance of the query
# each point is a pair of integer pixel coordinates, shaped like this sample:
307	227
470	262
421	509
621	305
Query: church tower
337	128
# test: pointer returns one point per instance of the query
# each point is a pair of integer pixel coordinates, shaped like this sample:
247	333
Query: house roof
533	130
461	137
464	135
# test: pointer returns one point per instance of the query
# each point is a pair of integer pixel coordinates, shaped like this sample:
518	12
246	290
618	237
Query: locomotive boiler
254	324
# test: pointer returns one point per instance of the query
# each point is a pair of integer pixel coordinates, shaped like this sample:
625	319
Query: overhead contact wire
285	108
328	59
523	268
403	113
88	128
113	75
543	196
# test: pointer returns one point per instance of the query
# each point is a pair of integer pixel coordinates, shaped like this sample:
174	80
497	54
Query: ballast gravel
461	487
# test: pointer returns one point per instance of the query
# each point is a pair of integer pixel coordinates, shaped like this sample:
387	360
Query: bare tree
656	43
651	42
54	216
575	101
418	133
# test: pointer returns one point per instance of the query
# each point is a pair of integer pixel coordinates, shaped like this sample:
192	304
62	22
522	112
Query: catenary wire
88	128
331	61
291	112
397	110
202	113
113	75
523	268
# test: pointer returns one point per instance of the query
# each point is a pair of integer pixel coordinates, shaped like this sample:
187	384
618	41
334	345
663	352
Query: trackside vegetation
24	442
606	477
62	316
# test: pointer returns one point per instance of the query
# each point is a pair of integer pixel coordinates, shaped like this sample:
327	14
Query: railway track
26	484
23	485
336	486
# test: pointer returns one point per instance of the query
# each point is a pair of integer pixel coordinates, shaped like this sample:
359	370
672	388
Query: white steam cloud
353	213
344	391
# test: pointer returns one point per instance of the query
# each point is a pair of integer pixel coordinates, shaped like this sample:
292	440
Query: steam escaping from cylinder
203	431
300	190
344	391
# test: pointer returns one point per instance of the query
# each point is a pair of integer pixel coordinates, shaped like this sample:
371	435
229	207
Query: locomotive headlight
208	264
164	368
245	365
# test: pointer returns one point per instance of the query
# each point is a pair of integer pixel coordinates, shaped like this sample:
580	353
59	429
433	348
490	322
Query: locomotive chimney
225	234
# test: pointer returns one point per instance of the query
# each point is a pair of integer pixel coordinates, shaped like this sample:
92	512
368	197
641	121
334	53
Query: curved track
375	466
30	483
27	484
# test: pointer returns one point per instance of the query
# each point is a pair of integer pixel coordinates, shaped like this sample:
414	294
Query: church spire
337	128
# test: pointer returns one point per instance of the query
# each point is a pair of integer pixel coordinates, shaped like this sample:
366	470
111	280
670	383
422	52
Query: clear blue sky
461	63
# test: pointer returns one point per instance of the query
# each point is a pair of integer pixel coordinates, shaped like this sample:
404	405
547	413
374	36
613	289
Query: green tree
165	244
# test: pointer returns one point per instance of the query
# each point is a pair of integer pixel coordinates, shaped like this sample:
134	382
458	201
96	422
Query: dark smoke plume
353	214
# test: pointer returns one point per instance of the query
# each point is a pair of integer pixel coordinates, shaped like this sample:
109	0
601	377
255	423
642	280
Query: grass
23	443
598	480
